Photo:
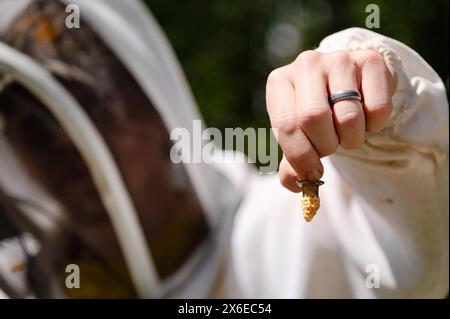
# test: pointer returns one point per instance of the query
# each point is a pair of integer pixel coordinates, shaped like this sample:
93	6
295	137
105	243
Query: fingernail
314	174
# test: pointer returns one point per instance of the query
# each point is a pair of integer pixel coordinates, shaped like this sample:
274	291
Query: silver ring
345	95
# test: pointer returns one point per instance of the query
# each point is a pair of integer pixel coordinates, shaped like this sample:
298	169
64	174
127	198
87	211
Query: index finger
298	150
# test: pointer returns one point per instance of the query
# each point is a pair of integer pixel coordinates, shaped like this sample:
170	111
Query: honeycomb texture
310	206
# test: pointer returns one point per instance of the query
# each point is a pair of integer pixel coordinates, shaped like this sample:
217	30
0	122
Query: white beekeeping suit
385	206
382	230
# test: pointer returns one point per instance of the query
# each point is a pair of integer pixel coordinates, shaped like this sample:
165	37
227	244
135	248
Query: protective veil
86	178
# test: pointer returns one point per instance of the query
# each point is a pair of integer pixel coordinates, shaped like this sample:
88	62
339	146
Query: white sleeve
397	183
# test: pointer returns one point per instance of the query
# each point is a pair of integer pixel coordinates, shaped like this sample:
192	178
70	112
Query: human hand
306	127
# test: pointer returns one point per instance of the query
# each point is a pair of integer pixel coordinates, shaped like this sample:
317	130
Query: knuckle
275	76
380	108
340	57
373	57
378	116
300	155
314	115
353	144
349	119
286	125
328	150
309	57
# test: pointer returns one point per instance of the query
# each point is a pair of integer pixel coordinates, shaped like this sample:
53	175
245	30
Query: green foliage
224	45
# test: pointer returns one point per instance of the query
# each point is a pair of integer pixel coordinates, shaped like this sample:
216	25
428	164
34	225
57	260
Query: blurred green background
227	48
